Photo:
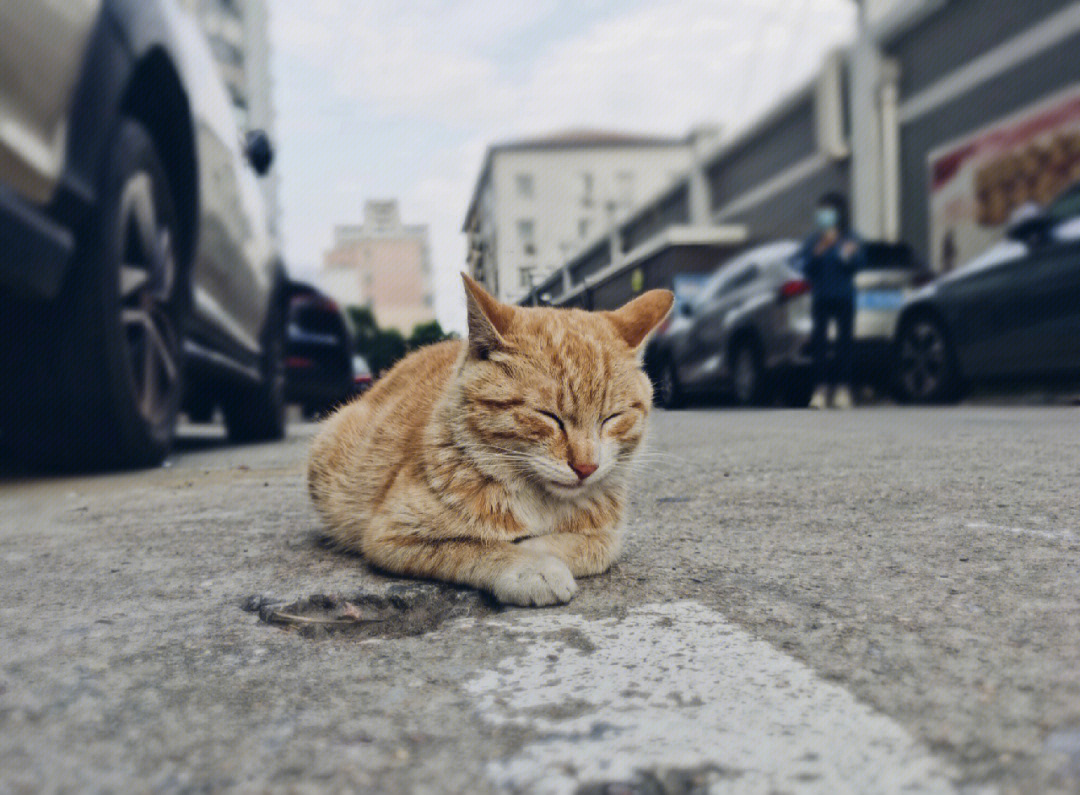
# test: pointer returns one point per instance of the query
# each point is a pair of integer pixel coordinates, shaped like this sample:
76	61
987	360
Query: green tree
364	327
426	334
387	346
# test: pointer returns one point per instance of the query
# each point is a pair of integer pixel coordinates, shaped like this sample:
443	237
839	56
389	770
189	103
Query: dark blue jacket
832	272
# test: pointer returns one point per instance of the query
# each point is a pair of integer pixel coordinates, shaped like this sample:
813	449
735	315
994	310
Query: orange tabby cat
500	462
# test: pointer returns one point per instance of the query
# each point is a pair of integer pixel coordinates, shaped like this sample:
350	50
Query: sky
400	98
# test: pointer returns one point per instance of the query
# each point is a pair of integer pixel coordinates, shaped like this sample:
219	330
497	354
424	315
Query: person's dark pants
823	311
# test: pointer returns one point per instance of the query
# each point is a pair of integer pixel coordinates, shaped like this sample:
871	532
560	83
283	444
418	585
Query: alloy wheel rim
923	359
147	282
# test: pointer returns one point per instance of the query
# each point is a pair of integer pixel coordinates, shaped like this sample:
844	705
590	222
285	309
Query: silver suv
137	270
746	334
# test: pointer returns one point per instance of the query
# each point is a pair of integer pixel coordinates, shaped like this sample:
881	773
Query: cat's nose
583	470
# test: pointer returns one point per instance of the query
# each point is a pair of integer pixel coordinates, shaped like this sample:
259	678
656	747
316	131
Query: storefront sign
977	183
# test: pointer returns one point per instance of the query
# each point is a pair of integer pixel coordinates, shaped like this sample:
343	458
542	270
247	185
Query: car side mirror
259	151
1028	225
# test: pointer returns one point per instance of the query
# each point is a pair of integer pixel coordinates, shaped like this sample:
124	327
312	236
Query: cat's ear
488	319
636	320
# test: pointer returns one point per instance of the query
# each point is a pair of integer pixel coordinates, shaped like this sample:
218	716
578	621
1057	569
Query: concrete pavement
879	601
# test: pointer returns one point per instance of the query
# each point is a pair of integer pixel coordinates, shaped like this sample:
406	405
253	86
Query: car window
316	320
708	290
719	282
1065	206
742	278
732	279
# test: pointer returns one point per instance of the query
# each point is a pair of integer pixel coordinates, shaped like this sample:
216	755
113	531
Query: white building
239	37
538	201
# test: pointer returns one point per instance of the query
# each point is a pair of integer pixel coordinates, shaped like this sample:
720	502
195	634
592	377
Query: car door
42	48
1024	318
221	277
1052	300
1062	337
983	311
709	335
687	354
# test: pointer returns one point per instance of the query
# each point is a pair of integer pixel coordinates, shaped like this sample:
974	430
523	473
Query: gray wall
672	208
782	143
961	31
790	214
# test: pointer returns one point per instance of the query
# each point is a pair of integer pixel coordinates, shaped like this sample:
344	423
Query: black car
138	272
1012	313
318	352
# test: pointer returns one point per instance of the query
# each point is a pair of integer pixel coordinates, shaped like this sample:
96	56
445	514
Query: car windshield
1065	206
766	255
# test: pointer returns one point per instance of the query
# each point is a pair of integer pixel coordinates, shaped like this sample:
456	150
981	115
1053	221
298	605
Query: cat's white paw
537	580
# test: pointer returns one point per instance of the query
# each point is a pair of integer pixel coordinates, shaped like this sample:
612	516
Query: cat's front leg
534	579
585	553
512	574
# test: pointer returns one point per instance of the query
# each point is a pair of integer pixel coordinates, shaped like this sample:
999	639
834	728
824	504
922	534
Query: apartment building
384	264
539	201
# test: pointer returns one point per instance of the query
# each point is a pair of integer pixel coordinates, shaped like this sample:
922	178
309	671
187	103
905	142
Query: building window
526	277
587	188
526	231
524	184
583	227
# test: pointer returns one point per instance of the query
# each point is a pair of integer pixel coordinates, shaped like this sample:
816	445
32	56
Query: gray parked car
745	334
137	270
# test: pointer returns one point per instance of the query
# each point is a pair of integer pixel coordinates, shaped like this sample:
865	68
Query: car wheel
105	388
669	393
747	376
926	366
256	412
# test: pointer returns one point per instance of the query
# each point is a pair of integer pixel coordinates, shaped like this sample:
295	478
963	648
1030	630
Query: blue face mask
826	218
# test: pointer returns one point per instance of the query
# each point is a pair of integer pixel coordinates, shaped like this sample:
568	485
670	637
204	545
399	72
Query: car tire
102	375
256	412
926	368
747	375
669	393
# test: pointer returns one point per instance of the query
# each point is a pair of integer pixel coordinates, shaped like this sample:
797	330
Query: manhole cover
671	781
399	612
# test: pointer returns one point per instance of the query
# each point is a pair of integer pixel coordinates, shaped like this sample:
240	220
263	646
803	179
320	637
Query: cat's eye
610	418
554	417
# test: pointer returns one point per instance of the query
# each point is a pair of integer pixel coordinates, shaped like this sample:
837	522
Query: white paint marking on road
676	686
1048	535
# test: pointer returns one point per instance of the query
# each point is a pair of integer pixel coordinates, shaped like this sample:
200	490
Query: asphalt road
886	600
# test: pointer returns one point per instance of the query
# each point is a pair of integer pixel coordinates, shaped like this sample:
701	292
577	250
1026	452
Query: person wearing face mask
829	260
